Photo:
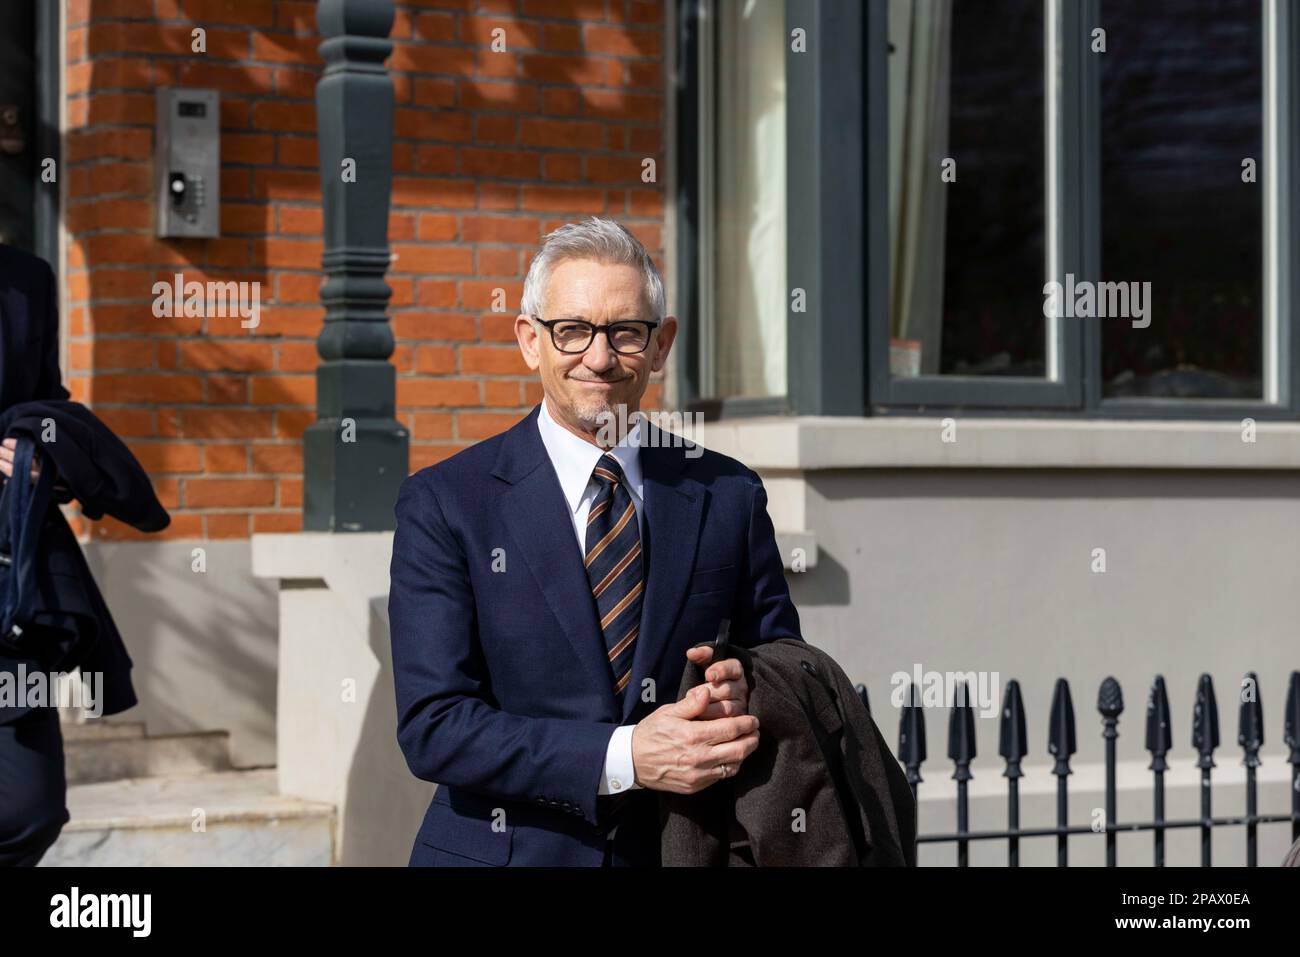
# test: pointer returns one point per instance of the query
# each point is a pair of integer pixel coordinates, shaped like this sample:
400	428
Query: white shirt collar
575	458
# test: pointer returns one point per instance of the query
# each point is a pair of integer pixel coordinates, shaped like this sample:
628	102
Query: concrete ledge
805	443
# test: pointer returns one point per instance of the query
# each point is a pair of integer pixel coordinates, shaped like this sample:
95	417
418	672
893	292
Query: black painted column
356	454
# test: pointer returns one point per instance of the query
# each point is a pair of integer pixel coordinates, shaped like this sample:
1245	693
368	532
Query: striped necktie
613	559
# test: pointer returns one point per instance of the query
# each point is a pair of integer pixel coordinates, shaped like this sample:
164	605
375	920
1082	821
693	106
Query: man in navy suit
548	582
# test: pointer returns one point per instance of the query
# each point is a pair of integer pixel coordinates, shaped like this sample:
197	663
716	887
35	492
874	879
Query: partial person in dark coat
71	626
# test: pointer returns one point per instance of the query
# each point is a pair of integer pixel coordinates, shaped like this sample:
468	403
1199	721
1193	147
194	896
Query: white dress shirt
574	459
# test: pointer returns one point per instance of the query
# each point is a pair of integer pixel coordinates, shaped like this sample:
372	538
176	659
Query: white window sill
804	443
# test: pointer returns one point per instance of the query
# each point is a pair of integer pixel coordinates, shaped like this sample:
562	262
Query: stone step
103	757
229	818
101	730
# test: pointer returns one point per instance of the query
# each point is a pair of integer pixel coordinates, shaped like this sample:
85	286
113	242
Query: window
1129	162
1182	94
1071	207
741	128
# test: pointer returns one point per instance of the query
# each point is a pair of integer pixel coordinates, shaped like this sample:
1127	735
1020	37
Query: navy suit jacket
504	695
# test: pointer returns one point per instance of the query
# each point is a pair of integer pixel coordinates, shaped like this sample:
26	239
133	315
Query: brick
493	360
297	357
565	37
498	327
431	425
435	360
428	192
276	522
563	167
498	262
483	31
290	493
227	390
282	48
424	393
614	169
246	218
434	27
437	227
284	390
281	116
229	78
434	159
498	130
297	151
564	9
476	426
229	493
121	353
291	423
293	253
567	70
225	458
494	95
615	105
562	134
482	295
300	321
428	58
296	84
563	199
164	457
499	229
620	41
499	196
216	11
433	91
225	423
298	287
251	148
501	394
432	259
157	387
422	456
302	219
278	458
128	423
512	164
226	525
561	101
214	355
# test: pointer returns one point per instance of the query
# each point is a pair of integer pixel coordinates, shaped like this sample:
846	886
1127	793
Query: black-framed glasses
626	337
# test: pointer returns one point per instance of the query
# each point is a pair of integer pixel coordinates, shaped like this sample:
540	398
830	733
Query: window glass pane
749	295
1182	107
967	248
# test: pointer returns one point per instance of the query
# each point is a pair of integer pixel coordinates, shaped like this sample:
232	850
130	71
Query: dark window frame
838	249
49	88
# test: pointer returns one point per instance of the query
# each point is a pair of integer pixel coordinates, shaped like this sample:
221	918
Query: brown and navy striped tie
613	547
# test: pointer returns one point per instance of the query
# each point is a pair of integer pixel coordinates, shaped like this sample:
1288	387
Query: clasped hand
685	746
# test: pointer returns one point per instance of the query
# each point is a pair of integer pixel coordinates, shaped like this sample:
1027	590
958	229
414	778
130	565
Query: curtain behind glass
749	257
919	32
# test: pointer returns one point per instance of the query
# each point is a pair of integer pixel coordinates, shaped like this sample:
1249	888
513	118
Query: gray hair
603	240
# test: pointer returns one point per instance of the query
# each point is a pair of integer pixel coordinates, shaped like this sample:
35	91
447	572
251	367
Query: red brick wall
491	151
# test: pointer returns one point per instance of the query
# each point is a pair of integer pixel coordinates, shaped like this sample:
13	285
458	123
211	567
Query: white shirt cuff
620	772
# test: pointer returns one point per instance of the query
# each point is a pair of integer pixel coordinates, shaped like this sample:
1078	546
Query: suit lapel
674	505
543	535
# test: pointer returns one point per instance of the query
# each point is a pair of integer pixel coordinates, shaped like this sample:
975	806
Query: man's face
581	388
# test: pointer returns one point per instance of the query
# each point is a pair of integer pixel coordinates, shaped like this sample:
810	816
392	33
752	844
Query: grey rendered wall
990	570
204	644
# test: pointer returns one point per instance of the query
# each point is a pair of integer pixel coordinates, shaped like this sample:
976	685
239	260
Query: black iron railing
1012	747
